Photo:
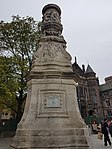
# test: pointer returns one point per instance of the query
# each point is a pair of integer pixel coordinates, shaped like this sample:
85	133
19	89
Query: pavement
4	143
97	144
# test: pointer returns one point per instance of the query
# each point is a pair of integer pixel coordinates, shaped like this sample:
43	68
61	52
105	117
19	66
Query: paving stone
98	144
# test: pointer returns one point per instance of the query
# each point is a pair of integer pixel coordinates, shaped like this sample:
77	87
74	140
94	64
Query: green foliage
18	40
8	83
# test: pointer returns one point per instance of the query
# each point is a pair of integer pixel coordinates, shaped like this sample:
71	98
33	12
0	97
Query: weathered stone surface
51	117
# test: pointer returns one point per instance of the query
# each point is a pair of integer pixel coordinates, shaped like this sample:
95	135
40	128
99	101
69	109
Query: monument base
55	139
52	118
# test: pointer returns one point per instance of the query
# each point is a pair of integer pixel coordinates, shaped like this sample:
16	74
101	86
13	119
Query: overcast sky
87	28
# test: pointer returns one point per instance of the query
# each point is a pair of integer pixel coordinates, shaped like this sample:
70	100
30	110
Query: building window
6	113
81	91
106	94
94	92
109	112
108	103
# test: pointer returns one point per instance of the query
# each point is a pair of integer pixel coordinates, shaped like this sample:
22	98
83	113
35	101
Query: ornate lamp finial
51	20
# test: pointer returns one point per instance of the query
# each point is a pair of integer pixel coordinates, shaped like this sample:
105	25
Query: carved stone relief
51	16
51	51
51	23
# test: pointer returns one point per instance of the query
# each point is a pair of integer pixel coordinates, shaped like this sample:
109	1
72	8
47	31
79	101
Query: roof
89	69
105	87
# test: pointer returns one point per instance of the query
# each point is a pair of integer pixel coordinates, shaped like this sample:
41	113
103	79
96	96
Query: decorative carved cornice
51	75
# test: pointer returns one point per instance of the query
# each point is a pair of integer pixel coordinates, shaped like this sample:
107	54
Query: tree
18	40
8	84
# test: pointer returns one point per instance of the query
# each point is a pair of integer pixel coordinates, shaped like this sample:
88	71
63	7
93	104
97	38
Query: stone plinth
51	117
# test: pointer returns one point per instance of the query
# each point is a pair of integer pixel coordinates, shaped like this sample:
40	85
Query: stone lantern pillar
51	117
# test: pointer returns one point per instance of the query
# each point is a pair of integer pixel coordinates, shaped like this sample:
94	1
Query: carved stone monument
51	117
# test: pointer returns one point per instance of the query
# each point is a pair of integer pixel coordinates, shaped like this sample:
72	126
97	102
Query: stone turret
90	72
94	105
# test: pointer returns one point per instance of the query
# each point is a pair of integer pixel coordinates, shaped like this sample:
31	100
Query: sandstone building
106	96
94	100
